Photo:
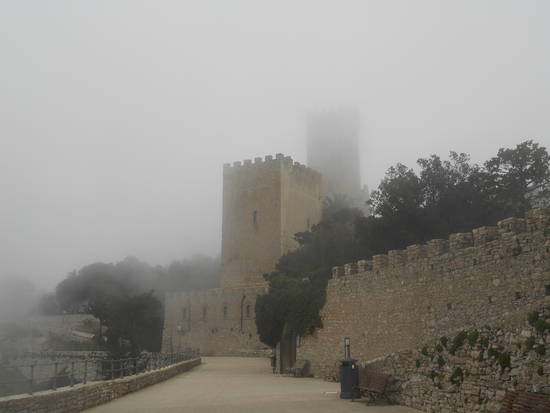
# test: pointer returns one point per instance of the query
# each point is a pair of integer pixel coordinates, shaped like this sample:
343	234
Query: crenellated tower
265	202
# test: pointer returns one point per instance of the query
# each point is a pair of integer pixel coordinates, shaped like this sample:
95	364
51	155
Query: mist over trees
409	207
127	298
454	195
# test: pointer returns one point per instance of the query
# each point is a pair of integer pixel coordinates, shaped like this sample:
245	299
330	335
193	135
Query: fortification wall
217	321
400	300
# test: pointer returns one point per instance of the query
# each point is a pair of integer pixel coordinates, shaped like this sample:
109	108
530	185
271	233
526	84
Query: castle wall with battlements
408	297
265	202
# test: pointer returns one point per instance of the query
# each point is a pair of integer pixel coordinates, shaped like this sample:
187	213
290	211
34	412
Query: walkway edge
84	396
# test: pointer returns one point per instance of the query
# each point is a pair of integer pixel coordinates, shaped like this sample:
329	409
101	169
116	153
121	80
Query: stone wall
265	203
80	397
470	371
405	298
217	321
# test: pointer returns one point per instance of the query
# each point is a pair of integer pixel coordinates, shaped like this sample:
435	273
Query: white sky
116	116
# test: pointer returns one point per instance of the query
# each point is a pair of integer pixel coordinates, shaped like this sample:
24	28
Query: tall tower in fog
333	150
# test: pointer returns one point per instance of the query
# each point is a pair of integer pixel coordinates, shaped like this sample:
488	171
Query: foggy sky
116	116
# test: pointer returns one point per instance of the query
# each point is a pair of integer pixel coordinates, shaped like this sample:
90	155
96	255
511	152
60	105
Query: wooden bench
372	384
525	402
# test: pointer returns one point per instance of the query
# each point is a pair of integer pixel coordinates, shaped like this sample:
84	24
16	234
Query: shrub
444	340
540	371
541	326
493	352
473	337
424	351
440	361
533	317
540	350
457	377
484	342
504	360
417	363
530	343
439	348
458	341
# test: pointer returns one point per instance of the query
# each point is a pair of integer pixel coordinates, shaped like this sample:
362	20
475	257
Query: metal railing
38	376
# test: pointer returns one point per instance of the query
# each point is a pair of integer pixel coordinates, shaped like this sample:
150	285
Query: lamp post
347	353
349	373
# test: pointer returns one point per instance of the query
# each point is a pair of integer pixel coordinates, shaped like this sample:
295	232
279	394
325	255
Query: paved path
235	385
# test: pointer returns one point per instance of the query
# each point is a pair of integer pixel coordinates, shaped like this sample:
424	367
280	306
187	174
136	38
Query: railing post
55	376
85	378
72	373
31	383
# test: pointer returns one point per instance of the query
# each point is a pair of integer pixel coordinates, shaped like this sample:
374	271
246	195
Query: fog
116	116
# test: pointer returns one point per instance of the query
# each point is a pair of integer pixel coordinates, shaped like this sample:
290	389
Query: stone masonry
470	371
403	299
265	203
84	396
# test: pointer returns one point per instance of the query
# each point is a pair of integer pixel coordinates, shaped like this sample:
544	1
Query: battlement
503	238
269	162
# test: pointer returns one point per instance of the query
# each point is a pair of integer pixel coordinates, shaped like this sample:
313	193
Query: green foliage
484	342
494	352
458	341
473	337
530	343
440	361
453	195
443	340
533	317
297	288
503	360
433	375
417	363
134	324
540	350
540	371
295	302
457	377
446	196
424	351
542	326
439	348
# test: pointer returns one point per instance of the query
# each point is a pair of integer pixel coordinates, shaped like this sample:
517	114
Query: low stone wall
470	371
80	397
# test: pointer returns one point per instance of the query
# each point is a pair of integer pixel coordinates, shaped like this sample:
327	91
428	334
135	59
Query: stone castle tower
265	203
333	149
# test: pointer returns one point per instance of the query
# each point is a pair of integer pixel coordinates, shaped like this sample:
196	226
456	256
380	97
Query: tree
445	196
134	324
297	286
520	177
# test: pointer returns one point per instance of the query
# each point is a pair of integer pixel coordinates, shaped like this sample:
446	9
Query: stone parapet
500	235
84	396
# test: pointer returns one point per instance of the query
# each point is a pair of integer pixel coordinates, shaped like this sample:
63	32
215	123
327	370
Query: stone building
333	149
265	202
